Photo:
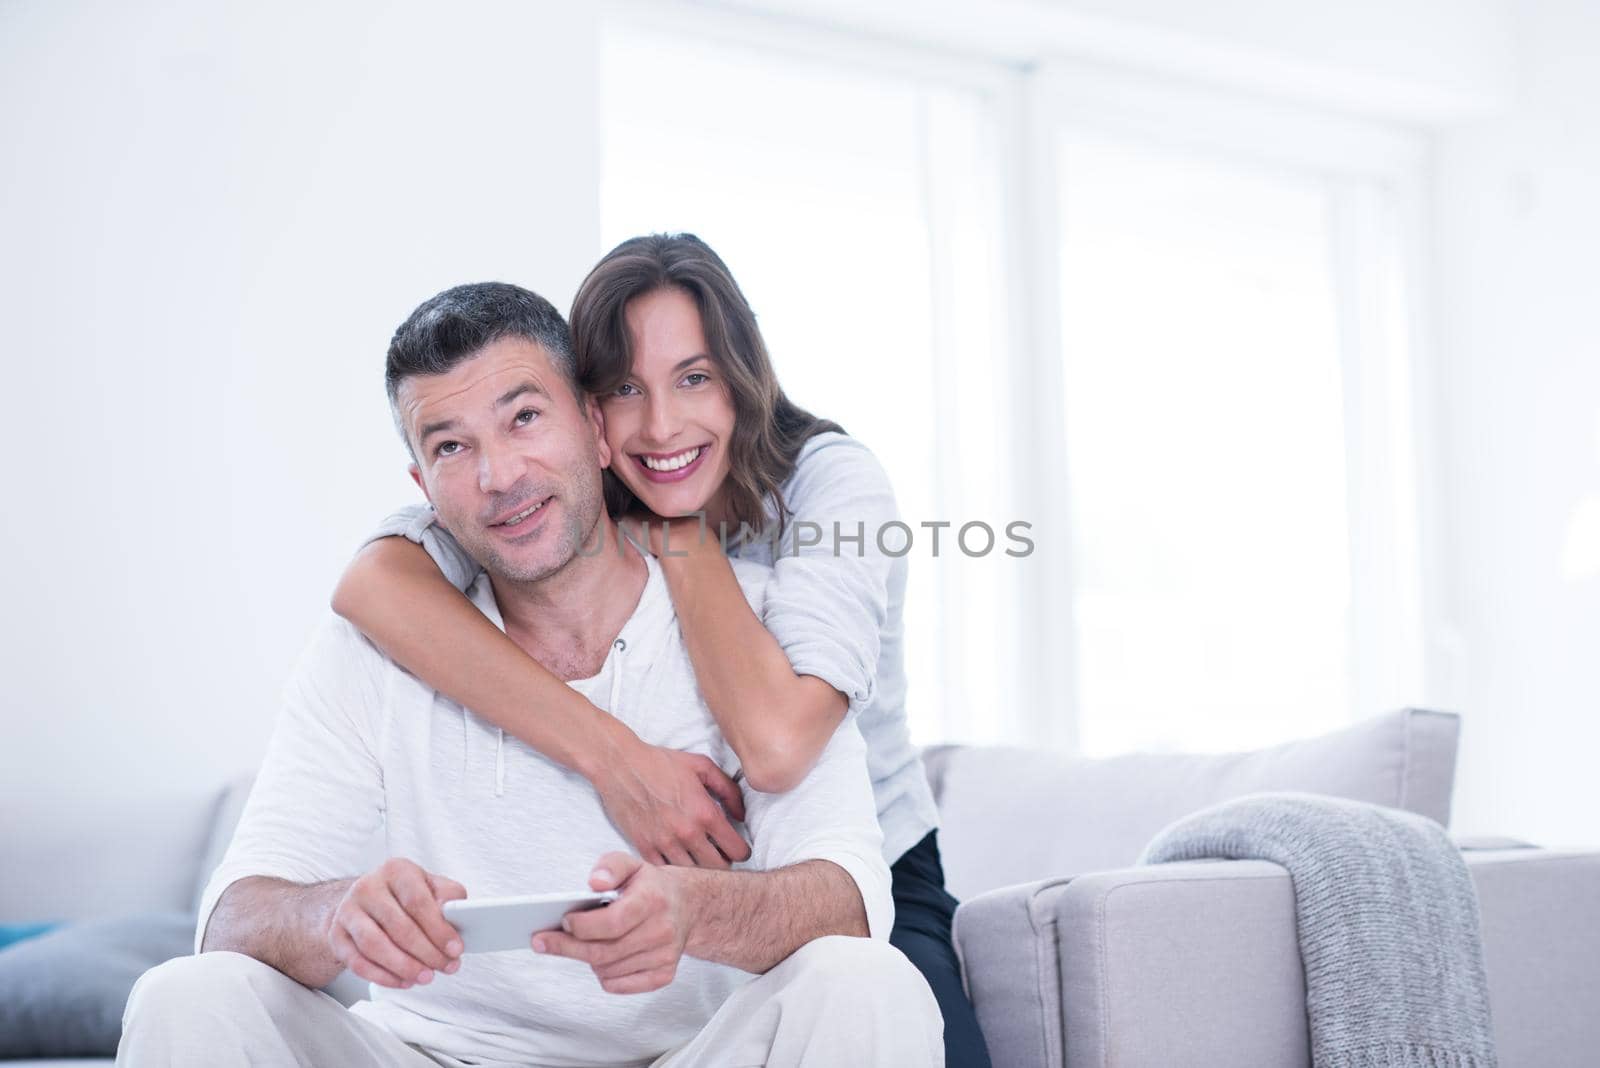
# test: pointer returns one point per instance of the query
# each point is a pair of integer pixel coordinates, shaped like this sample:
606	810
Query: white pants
834	1002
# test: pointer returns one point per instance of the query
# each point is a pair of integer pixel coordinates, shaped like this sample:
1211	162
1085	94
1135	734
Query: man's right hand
390	928
674	807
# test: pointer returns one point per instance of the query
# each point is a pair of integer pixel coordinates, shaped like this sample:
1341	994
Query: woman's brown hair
768	428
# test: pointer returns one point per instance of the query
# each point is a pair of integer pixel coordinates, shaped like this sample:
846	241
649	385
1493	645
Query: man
510	456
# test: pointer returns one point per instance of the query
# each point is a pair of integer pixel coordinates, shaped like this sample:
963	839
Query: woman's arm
778	722
395	594
780	684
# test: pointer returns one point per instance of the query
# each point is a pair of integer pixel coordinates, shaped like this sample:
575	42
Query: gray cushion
1011	816
74	857
62	994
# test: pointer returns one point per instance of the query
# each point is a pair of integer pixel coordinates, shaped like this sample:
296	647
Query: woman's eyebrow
681	364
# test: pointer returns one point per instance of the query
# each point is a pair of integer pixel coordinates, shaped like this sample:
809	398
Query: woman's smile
672	466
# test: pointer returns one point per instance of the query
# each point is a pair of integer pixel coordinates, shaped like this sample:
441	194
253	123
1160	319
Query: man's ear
597	419
416	476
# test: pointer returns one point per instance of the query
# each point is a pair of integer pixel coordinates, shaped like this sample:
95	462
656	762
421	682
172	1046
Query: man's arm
754	919
280	923
317	800
751	920
387	926
284	892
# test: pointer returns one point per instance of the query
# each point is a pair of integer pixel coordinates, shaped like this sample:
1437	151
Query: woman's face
670	422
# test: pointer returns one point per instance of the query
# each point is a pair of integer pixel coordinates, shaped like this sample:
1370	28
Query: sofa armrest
1540	912
1006	940
1198	964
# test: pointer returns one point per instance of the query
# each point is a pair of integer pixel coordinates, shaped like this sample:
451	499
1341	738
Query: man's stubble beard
574	531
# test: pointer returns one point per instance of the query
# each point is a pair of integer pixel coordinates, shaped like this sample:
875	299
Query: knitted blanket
1388	923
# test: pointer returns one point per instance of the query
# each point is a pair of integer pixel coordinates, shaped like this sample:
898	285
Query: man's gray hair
457	324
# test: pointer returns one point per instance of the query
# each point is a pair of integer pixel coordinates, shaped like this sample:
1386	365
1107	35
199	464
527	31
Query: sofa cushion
12	933
76	856
62	994
224	818
1011	816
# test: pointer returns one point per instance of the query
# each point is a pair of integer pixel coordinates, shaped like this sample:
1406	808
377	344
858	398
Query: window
1170	328
852	203
1205	449
1228	334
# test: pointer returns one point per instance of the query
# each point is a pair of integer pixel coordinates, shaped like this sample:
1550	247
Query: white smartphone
492	924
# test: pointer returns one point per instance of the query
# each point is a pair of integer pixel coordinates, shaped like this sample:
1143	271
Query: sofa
1073	956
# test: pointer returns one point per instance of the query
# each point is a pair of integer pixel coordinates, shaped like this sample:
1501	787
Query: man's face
508	457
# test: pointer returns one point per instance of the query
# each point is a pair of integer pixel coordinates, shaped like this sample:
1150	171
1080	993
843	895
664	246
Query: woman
696	423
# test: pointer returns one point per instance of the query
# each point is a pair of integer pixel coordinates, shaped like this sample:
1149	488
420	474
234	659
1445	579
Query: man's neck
568	620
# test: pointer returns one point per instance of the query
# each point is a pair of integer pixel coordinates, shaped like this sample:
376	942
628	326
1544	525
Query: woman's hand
674	807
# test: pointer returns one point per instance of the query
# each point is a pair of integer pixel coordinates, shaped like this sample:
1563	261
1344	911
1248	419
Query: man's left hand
634	944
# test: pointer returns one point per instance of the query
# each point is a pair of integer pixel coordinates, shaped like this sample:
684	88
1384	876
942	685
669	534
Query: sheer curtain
852	206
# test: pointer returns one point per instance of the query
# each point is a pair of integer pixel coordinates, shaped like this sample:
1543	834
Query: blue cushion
16	932
62	994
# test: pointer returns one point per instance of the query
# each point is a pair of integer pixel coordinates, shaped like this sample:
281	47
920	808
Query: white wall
1518	397
213	217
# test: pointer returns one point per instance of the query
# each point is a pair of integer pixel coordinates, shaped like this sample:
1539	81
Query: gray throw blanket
1388	924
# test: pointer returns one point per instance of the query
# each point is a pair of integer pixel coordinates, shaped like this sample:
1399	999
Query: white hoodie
364	746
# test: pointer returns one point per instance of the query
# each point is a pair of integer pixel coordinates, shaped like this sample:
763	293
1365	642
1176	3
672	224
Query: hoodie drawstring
499	762
616	676
620	646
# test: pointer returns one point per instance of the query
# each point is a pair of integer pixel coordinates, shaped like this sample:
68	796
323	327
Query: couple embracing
523	700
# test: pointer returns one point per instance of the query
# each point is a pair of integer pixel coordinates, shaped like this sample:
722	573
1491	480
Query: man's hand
634	944
390	928
665	802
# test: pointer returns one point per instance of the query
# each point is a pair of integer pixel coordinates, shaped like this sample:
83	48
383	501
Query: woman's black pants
923	911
